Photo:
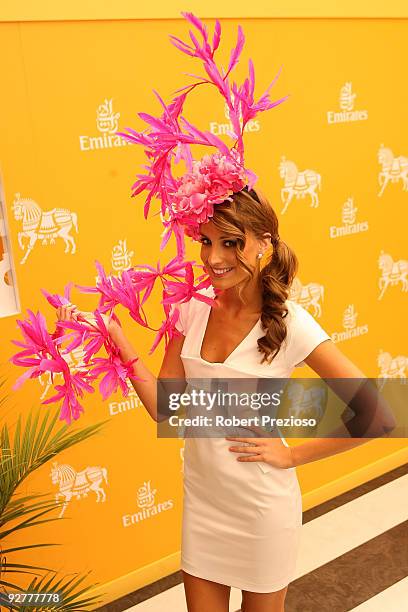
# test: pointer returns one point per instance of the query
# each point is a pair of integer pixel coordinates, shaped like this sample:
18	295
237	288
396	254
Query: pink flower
213	180
108	298
74	386
116	372
177	291
38	348
167	329
59	300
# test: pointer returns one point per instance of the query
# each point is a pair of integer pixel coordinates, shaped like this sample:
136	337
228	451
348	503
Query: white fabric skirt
241	524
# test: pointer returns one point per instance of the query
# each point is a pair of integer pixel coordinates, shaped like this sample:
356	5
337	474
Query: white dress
241	521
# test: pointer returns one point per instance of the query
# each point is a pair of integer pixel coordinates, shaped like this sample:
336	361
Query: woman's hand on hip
266	449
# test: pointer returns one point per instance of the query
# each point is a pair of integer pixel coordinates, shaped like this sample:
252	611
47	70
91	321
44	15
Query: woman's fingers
73	311
70	312
66	313
246	449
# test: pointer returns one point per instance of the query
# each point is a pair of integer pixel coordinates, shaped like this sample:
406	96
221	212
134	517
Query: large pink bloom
213	180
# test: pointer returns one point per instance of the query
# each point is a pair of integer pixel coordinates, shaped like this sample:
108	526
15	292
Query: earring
260	255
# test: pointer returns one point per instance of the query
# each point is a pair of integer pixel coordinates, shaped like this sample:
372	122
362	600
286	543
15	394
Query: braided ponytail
276	278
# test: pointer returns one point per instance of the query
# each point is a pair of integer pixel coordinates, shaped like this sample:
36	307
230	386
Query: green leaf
28	523
7	551
18	512
8	566
11	585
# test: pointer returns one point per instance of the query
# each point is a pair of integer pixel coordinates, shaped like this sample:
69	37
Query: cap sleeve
182	321
304	334
188	310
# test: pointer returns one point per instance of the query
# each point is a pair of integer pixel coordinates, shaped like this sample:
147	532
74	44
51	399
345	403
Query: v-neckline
200	345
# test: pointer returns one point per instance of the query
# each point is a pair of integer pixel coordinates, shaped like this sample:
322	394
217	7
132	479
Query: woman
242	502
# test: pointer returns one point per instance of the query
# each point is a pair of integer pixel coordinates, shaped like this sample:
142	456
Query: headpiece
186	202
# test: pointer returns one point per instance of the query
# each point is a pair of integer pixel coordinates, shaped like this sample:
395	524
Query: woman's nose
214	257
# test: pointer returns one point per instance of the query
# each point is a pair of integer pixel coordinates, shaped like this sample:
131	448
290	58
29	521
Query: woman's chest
224	335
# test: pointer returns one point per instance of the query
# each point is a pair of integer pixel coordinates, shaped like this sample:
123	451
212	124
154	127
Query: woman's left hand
266	449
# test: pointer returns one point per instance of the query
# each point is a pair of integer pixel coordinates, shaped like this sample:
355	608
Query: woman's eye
226	243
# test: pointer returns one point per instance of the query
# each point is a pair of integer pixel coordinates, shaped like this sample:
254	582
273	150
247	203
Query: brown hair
251	211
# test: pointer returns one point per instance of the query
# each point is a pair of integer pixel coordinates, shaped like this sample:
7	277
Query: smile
221	271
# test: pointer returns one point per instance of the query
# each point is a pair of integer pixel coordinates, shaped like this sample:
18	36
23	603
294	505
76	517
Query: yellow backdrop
67	87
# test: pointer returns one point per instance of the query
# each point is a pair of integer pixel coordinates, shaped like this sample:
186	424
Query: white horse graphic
298	183
43	225
77	484
391	367
392	273
307	403
393	169
307	295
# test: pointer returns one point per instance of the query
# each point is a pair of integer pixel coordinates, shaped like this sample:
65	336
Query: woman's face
219	258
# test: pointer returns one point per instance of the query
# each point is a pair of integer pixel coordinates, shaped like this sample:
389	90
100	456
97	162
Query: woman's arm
172	367
146	389
372	416
330	363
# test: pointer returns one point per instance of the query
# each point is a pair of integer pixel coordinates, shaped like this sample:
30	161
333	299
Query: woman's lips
220	272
